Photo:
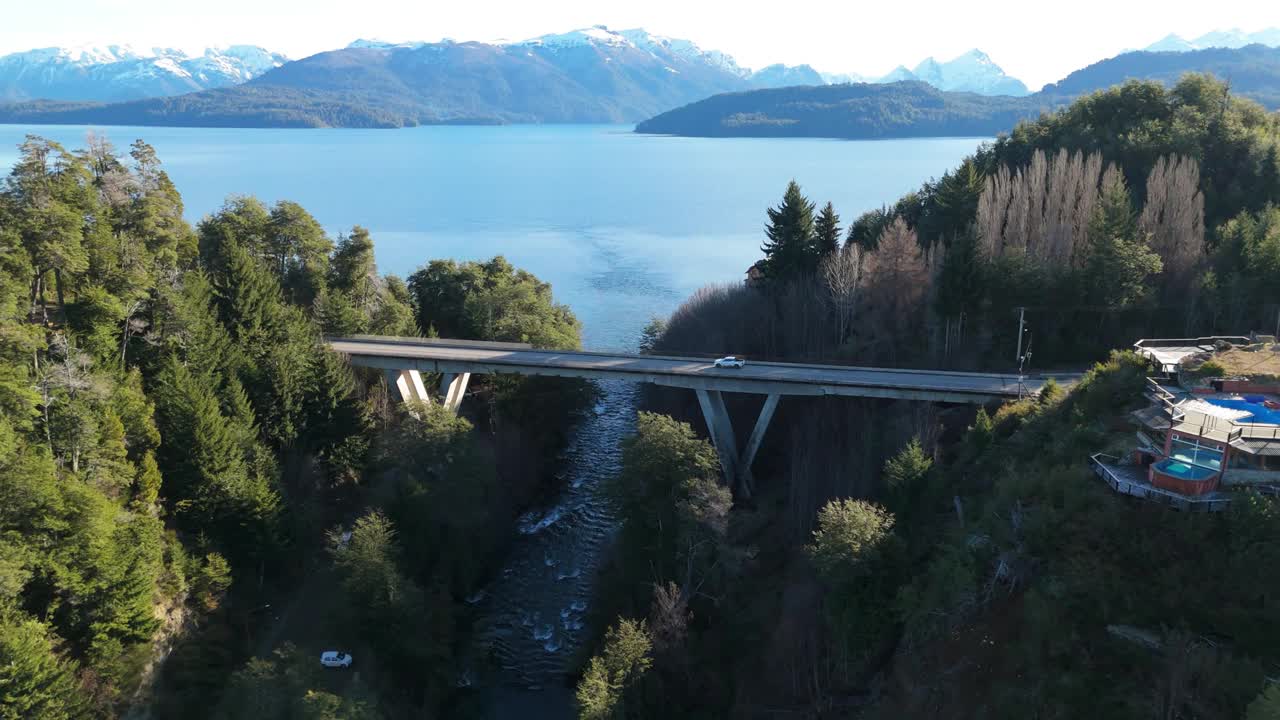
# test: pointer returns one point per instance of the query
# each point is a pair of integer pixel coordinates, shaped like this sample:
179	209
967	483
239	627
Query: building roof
1152	418
1170	352
1258	447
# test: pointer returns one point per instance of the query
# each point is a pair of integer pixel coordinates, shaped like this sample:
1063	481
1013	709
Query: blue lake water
624	226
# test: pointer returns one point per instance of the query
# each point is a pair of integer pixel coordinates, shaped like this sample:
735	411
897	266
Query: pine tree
146	484
622	662
352	268
248	295
788	251
904	474
337	422
826	232
109	466
1119	264
34	682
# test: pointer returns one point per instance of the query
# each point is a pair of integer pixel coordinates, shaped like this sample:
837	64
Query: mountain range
972	72
120	72
590	75
1234	38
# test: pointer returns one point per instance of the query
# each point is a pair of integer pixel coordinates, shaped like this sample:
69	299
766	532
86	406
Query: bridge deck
688	372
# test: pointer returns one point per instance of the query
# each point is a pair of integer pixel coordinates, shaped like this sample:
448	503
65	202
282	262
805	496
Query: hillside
894	561
916	110
902	109
1253	71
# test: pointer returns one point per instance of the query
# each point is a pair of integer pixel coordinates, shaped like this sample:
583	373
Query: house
1203	436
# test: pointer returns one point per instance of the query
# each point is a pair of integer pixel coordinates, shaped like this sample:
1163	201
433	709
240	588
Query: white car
730	362
333	658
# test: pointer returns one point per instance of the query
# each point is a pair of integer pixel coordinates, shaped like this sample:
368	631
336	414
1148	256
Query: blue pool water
1181	470
1259	413
1204	458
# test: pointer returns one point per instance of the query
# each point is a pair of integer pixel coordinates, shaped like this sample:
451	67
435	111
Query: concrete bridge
405	360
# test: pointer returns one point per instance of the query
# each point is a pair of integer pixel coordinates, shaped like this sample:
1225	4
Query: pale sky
1037	42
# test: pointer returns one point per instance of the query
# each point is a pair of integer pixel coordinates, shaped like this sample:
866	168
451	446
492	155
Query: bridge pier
407	386
736	466
452	387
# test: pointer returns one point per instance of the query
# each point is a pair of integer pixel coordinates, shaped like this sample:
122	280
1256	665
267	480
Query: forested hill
907	110
198	497
896	561
1252	71
903	109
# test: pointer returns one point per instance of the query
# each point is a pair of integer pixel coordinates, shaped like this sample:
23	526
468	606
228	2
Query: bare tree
668	618
1173	220
1041	211
114	182
841	274
897	278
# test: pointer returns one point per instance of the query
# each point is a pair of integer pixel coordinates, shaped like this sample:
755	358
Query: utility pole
1022	313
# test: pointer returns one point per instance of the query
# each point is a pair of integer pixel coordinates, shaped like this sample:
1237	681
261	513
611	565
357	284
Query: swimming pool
1183	471
1258	412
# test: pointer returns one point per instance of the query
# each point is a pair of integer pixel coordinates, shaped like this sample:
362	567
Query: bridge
404	360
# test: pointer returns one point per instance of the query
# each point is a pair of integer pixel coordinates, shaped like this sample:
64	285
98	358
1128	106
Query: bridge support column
736	467
720	428
753	443
407	386
452	387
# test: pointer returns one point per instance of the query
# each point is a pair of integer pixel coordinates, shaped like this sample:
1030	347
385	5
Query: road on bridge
688	372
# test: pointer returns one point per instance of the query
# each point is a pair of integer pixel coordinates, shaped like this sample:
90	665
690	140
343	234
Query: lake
624	226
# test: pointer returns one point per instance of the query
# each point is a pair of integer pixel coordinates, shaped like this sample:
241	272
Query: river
624	226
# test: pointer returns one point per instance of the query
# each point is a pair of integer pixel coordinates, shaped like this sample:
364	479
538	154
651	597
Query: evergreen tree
337	422
789	249
1119	264
954	202
146	486
52	195
34	681
299	252
904	475
623	661
672	505
962	279
394	315
826	232
352	268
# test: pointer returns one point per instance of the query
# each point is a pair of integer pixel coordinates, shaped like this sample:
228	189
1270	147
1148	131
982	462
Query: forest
192	486
904	560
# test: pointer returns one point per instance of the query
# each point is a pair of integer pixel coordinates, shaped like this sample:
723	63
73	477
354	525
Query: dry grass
1255	361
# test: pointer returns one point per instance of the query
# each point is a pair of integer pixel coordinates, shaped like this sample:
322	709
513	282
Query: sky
1033	41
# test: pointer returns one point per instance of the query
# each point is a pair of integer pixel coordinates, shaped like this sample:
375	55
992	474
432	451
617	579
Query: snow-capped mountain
776	76
971	72
831	78
1233	38
120	72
